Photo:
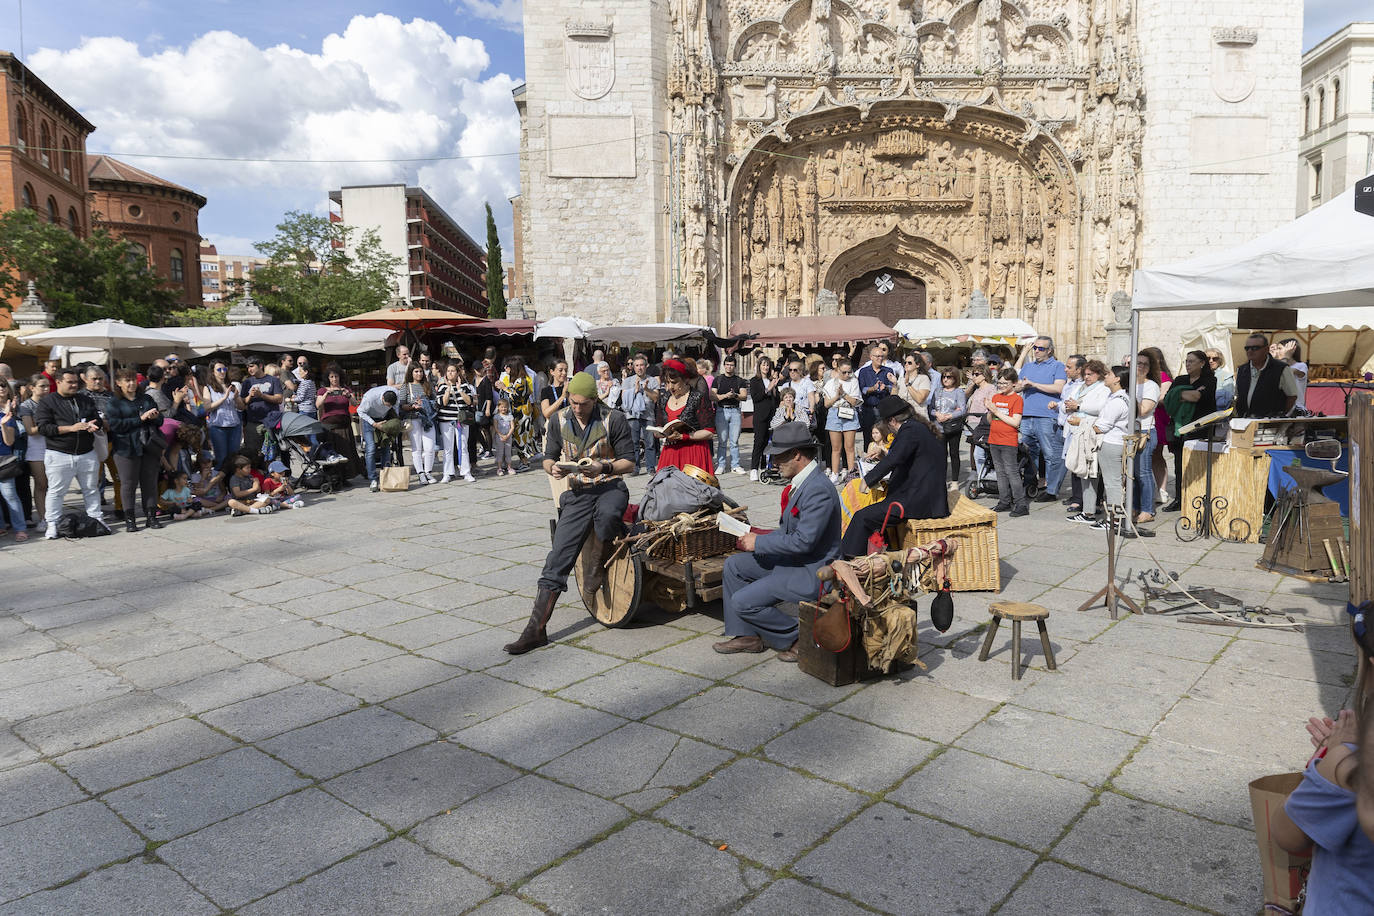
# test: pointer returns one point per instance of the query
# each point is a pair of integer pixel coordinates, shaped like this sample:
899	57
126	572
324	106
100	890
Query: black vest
1270	401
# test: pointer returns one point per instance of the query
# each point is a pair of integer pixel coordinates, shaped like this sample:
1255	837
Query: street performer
918	463
781	566
598	438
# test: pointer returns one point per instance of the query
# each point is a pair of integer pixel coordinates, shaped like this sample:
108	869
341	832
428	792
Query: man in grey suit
781	566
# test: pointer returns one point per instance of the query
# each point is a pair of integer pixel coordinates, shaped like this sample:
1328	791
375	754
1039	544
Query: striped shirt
448	413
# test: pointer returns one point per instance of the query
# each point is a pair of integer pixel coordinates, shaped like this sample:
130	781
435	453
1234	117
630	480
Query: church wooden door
886	294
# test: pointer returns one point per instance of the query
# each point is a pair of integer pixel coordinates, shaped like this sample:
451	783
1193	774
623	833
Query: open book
667	429
731	525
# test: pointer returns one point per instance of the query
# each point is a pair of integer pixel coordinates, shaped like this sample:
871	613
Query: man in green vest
598	438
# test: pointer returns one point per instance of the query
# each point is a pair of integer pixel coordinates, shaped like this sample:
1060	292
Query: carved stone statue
1035	264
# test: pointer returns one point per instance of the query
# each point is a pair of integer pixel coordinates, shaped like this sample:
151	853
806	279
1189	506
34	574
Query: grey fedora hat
789	436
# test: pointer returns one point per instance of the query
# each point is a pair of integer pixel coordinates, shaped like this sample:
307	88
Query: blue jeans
1041	435
10	493
644	443
225	440
752	592
728	422
1145	487
370	451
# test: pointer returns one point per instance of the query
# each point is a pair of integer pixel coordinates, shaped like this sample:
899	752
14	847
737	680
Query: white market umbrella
107	334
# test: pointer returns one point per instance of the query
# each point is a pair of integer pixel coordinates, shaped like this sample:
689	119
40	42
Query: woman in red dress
684	401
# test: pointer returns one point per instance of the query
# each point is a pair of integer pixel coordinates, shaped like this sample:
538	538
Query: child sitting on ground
278	488
207	485
245	493
177	499
1321	814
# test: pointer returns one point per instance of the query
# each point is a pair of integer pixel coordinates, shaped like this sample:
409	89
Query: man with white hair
1041	383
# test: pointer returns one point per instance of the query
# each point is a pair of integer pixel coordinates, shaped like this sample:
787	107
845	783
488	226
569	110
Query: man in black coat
1265	387
917	461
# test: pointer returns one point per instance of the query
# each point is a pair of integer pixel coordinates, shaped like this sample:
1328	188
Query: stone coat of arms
1233	69
589	51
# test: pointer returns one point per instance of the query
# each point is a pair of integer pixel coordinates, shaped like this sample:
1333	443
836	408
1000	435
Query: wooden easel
1109	592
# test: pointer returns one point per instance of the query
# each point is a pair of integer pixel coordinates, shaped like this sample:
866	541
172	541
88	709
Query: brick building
159	217
441	266
43	153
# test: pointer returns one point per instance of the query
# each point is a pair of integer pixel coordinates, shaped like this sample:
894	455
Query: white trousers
421	447
453	437
62	469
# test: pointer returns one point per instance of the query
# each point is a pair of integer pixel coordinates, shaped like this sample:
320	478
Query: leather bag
830	628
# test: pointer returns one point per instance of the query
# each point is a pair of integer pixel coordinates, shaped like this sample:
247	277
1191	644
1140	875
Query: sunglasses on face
1249	348
795	371
1214	359
1040	348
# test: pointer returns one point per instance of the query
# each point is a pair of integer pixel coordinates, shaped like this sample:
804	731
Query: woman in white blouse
842	399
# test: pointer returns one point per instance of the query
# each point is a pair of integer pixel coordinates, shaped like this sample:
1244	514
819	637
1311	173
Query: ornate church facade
712	160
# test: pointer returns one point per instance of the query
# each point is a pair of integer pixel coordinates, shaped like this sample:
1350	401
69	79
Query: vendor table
1243	473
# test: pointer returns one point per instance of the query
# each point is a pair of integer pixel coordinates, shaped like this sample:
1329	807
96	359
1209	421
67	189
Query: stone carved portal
887	294
970	202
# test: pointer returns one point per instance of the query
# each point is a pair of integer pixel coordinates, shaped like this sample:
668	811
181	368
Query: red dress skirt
681	454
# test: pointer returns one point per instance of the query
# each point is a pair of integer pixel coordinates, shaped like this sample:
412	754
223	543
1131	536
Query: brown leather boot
596	574
535	634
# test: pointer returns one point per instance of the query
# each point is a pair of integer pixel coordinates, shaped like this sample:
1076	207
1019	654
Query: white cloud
382	90
508	13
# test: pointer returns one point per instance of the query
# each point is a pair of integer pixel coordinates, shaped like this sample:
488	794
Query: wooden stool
1017	611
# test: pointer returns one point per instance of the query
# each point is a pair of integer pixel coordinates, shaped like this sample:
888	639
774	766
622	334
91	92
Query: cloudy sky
227	93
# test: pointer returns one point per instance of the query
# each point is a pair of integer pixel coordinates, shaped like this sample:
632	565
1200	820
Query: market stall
952	340
1322	260
813	332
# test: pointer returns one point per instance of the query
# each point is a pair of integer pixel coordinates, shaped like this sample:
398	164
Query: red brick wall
160	222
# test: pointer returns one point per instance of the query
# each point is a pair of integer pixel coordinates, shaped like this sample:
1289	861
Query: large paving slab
325	722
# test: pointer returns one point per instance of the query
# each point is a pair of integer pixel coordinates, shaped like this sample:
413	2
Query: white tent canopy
1323	259
105	334
92	343
565	326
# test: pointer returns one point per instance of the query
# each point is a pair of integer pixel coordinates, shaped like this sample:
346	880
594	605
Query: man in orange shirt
1006	408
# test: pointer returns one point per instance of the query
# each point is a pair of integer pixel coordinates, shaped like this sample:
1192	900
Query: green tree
496	280
315	271
80	279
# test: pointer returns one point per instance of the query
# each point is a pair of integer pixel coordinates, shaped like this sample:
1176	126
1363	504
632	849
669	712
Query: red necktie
786	492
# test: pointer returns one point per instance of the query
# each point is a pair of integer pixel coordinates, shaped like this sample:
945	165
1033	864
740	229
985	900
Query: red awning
491	327
813	331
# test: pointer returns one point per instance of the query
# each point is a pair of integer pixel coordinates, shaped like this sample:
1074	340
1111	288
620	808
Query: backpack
80	525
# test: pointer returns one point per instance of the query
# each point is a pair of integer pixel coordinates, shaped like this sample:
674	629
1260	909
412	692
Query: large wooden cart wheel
615	603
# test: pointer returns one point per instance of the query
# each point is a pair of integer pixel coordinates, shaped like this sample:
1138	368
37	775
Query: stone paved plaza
311	713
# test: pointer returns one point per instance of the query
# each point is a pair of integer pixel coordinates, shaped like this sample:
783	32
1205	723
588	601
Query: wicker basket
696	545
976	566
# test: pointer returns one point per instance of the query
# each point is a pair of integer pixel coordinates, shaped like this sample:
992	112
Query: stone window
137	254
1335	99
1307	114
178	266
44	144
1321	107
26	198
73	222
54	216
66	159
1316	180
135	211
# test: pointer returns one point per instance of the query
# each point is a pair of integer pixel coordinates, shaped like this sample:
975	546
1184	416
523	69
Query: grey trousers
578	510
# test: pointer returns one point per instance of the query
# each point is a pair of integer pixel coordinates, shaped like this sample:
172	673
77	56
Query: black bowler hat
789	436
892	406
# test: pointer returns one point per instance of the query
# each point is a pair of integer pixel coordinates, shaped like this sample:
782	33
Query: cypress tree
496	296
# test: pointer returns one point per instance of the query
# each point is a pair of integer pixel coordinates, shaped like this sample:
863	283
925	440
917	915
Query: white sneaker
737	470
374	486
469	478
754	474
445	479
720	469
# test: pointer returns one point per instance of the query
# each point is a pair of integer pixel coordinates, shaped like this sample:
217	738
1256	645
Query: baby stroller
984	483
320	468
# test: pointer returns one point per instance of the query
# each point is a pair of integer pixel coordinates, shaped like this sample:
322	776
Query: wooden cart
633	579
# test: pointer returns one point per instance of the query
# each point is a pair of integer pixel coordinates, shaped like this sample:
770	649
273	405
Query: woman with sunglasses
1226	379
914	388
842	399
683	402
950	407
223	404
